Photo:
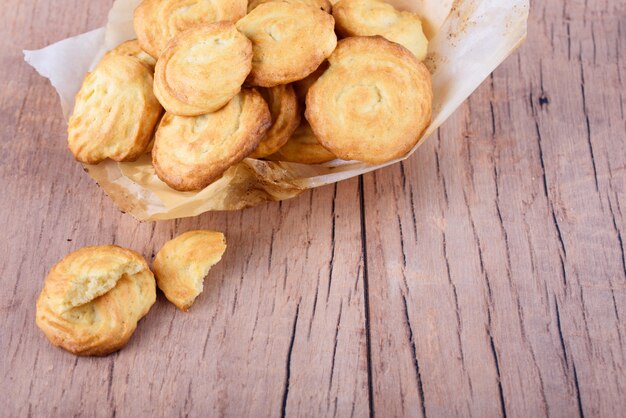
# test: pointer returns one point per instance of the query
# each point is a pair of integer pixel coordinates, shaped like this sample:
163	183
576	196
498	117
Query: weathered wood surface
485	276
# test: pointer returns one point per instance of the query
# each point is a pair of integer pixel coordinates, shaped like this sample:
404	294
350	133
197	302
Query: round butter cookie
304	148
285	112
115	112
192	152
202	69
288	41
373	102
93	298
132	49
158	21
375	17
318	4
182	264
302	86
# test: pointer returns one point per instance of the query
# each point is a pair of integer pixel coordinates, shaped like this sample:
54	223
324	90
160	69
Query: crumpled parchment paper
468	40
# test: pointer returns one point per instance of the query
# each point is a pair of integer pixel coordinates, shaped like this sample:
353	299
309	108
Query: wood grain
485	276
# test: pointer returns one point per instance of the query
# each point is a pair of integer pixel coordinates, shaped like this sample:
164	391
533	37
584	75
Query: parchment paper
468	40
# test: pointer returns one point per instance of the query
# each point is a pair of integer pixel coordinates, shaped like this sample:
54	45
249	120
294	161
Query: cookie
375	17
288	41
318	4
93	298
373	102
182	264
156	22
133	49
304	148
202	68
192	152
302	86
115	112
285	112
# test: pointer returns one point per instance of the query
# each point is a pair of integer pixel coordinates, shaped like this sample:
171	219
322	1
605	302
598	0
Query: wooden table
485	276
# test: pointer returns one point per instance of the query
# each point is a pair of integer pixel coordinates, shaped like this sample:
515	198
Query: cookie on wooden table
375	17
192	152
115	112
182	264
158	21
373	102
202	68
283	105
93	298
288	41
304	148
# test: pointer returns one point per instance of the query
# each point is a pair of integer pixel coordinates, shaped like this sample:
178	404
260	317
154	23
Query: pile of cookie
207	84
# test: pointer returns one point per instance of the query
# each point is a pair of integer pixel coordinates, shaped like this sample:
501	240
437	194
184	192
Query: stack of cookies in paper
207	84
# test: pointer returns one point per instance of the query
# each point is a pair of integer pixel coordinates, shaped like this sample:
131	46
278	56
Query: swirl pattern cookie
318	4
192	152
93	298
288	41
375	17
304	148
373	102
202	69
158	21
182	264
285	112
115	112
133	49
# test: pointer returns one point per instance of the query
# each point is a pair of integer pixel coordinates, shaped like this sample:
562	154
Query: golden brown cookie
289	42
182	264
202	68
192	152
158	21
375	17
132	49
93	298
115	112
285	112
302	86
318	4
304	148
373	102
